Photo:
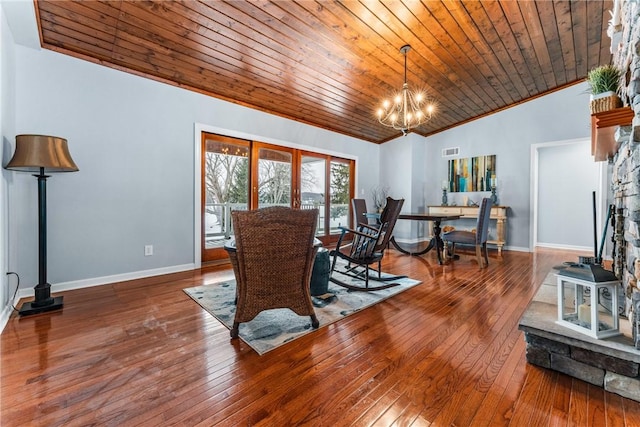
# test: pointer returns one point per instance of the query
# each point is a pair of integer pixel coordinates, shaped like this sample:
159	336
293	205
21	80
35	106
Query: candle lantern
588	300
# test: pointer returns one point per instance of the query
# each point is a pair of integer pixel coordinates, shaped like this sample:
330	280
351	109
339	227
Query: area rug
273	328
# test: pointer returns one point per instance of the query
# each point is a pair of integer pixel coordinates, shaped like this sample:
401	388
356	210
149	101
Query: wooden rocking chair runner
366	248
273	260
477	238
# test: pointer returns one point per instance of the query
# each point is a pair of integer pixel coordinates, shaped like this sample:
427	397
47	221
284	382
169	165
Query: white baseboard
4	316
87	283
565	247
515	248
426	240
97	281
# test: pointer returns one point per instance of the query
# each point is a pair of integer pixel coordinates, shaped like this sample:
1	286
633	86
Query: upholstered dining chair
272	260
359	212
477	238
366	248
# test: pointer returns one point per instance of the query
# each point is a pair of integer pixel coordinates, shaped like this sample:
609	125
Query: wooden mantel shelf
603	126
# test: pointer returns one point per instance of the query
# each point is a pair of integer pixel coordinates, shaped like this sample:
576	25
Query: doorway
564	177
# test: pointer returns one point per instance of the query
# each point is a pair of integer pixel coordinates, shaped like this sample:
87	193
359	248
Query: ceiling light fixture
408	109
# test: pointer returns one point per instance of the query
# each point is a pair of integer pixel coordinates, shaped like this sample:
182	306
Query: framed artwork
472	174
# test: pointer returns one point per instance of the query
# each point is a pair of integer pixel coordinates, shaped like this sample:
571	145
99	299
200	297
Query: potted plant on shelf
604	82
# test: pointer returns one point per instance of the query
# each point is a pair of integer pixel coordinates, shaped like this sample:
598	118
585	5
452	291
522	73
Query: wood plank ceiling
329	63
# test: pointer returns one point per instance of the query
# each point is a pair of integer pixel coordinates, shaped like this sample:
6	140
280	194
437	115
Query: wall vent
448	152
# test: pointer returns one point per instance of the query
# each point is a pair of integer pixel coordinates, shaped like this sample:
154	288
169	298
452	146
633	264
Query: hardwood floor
446	352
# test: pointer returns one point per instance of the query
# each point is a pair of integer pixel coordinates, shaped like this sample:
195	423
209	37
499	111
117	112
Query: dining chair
272	260
477	238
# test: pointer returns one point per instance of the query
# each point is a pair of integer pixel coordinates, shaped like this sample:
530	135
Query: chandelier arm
404	106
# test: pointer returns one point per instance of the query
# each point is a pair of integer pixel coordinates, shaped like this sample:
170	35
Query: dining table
436	241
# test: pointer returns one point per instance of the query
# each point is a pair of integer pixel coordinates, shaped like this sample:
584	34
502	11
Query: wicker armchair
367	247
272	260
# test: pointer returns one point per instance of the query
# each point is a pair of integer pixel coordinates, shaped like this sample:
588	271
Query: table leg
436	242
397	246
439	243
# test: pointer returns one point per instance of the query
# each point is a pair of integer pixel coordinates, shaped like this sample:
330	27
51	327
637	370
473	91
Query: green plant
604	78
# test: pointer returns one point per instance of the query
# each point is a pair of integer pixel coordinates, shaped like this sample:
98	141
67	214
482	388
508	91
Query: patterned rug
273	328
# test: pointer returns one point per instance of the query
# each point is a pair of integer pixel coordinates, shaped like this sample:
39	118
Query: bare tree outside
225	173
226	183
274	183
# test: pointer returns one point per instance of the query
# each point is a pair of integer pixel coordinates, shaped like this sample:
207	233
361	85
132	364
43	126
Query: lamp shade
34	152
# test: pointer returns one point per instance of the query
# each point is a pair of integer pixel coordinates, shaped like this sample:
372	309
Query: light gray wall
562	115
133	140
568	176
398	152
7	125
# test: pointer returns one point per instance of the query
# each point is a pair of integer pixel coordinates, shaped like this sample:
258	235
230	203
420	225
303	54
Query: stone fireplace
612	363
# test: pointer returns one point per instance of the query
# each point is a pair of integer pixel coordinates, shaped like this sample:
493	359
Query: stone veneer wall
624	31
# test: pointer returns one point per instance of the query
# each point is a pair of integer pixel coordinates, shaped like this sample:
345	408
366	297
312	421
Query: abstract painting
472	174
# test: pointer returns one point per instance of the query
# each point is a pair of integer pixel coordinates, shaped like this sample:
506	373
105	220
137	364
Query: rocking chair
366	248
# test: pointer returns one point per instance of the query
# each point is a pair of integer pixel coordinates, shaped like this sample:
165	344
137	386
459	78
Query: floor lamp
41	154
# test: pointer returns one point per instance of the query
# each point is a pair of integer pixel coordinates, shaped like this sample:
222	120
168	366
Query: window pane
312	182
340	179
226	188
274	178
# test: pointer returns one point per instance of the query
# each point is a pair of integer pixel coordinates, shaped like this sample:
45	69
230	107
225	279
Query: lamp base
29	308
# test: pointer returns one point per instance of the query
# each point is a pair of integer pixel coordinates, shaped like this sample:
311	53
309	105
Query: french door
242	174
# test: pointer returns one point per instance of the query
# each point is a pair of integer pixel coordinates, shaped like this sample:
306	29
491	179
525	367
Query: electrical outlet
148	250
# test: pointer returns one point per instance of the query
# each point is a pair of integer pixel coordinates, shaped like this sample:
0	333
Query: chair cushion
460	236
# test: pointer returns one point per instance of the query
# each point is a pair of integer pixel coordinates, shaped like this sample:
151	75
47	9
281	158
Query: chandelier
408	109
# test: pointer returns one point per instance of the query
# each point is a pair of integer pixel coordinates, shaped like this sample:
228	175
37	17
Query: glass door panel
341	190
225	187
313	188
274	177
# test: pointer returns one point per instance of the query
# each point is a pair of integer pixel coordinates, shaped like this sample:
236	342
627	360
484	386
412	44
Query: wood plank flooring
444	353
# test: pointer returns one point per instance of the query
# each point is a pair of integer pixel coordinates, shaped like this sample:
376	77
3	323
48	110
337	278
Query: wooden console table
498	213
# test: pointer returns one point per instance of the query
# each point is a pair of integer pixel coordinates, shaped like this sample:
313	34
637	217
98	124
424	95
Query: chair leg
234	330
486	254
315	323
366	277
333	264
479	256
